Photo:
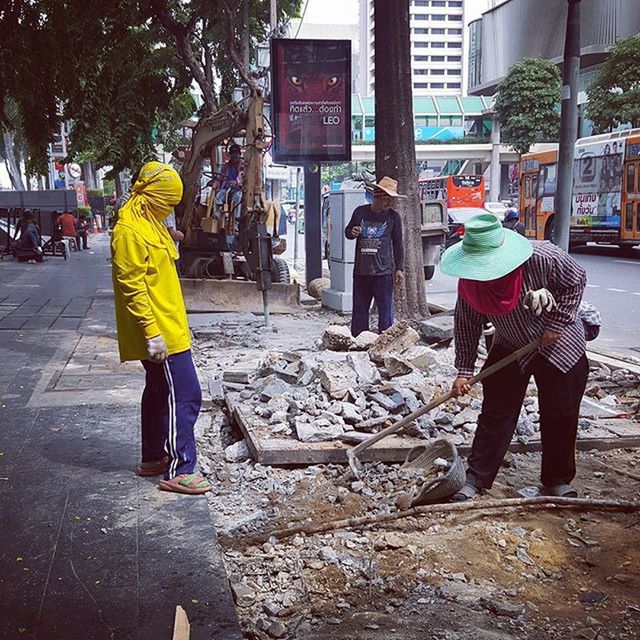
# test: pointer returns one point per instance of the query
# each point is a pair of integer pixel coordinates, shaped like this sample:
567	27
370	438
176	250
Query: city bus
456	191
605	195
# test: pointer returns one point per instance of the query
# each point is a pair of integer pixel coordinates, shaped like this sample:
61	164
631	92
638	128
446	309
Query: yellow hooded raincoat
147	291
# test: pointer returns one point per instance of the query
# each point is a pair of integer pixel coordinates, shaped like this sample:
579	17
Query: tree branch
181	34
235	54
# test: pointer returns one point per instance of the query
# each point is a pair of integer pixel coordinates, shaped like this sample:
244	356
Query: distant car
457	218
497	208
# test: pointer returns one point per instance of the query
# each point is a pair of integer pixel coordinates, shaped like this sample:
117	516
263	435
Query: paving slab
87	548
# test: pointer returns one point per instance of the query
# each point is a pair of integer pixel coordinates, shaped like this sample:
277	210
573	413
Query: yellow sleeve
130	258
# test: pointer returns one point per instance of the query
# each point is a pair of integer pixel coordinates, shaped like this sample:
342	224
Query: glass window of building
437	58
454	32
454	58
421	72
454	85
437	18
420	85
437	72
420	3
420	16
455	3
454	45
454	18
369	121
438	3
421	58
421	30
453	72
420	45
437	85
437	45
437	31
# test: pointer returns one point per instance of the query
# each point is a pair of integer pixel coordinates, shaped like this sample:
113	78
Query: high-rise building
438	47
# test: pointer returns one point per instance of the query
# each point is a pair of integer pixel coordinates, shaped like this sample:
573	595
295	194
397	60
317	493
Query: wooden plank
275	451
181	626
612	363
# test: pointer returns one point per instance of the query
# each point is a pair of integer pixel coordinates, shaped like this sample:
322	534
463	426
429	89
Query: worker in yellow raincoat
153	328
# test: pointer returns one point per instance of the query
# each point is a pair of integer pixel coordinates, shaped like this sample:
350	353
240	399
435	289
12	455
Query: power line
302	18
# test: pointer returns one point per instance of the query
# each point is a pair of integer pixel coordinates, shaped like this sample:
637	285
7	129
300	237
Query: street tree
395	147
614	98
527	103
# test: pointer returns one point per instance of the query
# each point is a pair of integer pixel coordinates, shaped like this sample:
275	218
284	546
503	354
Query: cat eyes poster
311	104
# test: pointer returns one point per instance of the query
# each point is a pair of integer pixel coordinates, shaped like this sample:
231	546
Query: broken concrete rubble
338	338
437	328
397	339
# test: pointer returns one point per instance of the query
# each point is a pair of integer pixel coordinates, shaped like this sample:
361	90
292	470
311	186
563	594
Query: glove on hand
539	301
157	349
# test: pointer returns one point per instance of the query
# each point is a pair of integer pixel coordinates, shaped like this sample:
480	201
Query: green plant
108	186
95	192
84	210
614	98
527	103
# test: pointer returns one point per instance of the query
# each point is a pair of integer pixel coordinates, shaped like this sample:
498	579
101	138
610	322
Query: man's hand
399	277
461	386
355	232
549	337
539	301
157	349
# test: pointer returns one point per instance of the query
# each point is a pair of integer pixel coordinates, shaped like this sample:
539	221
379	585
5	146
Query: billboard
597	185
311	104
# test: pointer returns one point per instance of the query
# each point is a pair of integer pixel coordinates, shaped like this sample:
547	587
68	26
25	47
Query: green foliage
614	98
526	103
95	192
84	210
109	186
336	172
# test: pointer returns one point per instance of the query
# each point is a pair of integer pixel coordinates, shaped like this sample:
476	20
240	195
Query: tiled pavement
87	549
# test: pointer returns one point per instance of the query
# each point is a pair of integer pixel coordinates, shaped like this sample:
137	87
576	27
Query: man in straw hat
527	291
379	258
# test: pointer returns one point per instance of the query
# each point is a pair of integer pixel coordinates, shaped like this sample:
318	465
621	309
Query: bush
95	192
84	210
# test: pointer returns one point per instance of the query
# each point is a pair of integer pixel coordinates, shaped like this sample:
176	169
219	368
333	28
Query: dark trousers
170	405
366	289
81	240
559	396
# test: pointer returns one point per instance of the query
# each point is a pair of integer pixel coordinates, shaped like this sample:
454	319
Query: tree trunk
13	167
395	147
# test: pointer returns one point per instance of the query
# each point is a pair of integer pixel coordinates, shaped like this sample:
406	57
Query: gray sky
332	12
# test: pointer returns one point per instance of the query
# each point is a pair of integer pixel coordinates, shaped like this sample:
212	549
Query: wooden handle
485	373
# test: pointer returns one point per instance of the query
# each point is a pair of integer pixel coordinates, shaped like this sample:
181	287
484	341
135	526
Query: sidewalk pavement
88	549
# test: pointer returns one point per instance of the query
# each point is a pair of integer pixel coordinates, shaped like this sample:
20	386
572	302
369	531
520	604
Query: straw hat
389	186
488	251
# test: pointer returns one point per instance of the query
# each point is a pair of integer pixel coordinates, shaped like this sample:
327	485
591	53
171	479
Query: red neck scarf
494	297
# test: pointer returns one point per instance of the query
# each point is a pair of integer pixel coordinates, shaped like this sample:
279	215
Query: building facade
438	47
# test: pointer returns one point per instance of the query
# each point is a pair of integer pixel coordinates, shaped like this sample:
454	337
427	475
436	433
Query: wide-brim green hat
488	251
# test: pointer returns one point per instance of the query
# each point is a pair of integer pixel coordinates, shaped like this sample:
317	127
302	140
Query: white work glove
539	301
157	349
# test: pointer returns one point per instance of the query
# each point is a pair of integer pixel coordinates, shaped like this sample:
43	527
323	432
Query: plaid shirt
550	268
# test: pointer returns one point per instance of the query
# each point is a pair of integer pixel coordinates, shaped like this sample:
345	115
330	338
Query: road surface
613	287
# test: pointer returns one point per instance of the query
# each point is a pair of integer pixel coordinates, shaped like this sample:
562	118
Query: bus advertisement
605	193
597	191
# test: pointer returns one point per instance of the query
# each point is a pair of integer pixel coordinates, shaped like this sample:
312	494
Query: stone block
337	338
437	328
420	356
364	340
317	431
397	338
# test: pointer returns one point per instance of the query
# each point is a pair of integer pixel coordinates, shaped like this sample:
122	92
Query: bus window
637	218
527	212
628	216
631	175
534	186
527	187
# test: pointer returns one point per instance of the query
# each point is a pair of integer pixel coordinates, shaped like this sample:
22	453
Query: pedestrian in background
528	291
512	221
379	256
82	227
153	328
68	224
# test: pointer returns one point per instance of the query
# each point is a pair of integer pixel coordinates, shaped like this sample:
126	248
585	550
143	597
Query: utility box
339	295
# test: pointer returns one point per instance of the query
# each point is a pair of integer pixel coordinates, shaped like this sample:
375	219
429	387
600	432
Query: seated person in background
228	183
176	235
29	236
512	221
69	227
82	227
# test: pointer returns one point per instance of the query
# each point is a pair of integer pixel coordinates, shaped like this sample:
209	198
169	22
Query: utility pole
568	125
273	16
297	219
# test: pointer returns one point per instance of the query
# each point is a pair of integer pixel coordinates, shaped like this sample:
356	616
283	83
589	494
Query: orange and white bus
456	191
605	195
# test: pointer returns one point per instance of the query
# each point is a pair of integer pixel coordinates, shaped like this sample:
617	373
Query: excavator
229	245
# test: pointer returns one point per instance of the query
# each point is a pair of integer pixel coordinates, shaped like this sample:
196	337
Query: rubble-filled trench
495	574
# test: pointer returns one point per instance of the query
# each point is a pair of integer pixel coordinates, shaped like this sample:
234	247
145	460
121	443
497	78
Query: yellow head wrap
156	191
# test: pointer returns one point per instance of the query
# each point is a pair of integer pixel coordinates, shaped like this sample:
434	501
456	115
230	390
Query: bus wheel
627	249
548	230
429	270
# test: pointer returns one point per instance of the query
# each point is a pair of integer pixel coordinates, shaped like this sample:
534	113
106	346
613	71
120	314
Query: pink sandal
189	483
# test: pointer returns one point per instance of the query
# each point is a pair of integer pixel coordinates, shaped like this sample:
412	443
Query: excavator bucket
210	296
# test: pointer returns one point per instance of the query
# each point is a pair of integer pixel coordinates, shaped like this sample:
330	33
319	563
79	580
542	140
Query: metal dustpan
446	484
